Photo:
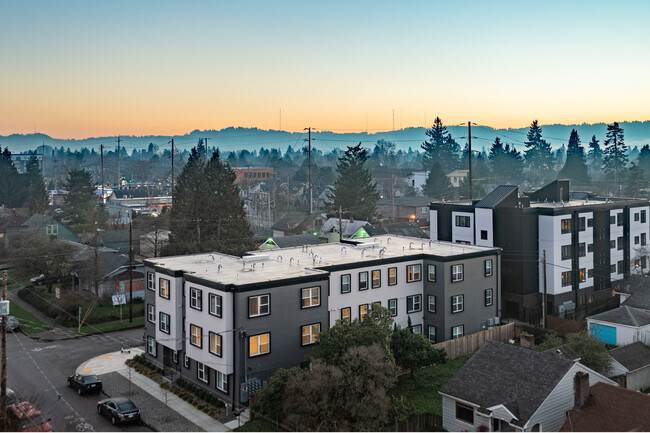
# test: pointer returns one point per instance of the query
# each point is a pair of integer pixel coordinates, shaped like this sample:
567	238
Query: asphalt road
37	371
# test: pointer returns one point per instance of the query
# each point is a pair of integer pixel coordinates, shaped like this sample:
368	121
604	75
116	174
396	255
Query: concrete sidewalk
114	362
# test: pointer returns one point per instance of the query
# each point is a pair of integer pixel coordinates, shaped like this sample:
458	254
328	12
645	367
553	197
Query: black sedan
85	383
118	410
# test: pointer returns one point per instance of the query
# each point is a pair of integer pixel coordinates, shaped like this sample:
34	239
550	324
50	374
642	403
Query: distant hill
235	139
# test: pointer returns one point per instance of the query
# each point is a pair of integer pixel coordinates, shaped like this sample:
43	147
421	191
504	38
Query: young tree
437	184
575	167
595	155
37	255
81	196
538	154
354	191
440	147
615	155
413	351
593	352
37	200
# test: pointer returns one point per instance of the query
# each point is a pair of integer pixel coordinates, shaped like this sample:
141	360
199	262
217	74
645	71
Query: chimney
527	341
581	388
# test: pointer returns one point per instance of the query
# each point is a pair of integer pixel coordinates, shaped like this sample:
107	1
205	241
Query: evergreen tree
208	214
81	196
595	155
354	191
575	167
498	157
643	160
636	181
37	201
615	154
437	184
12	189
538	153
440	147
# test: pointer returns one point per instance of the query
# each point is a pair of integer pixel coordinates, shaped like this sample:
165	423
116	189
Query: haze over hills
234	139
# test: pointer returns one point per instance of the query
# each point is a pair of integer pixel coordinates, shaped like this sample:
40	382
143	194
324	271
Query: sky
78	69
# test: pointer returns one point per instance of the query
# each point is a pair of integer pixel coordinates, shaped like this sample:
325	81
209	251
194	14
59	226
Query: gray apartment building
229	323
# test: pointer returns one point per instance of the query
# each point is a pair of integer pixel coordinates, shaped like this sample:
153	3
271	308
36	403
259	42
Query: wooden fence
426	422
473	342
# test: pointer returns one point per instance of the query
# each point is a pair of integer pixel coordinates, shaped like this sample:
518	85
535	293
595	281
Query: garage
604	332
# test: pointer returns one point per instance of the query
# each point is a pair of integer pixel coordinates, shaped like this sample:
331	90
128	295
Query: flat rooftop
571	203
294	262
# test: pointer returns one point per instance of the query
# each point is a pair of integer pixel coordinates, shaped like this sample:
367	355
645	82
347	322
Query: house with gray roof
634	291
44	226
621	326
631	362
507	388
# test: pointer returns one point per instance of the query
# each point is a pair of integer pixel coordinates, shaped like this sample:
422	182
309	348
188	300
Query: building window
488	297
581	224
175	357
259	305
566	278
590	273
590	248
215	343
202	372
376	278
457	331
484	235
310	297
413	273
52	230
590	222
392	306
487	264
612	219
643	220
151	313
612	269
581	249
196	335
431	304
215	304
345	314
151	346
456	273
636	216
621	243
565	225
416	329
392	276
259	344
186	361
363	311
643	239
346	286
221	381
363	280
566	252
310	333
465	413
457	303
164	322
619	219
612	244
163	284
196	298
431	273
463	221
621	266
413	303
432	334
151	282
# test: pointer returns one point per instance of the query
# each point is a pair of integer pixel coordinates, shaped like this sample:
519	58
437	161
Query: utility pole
101	148
469	132
206	148
340	224
172	172
3	385
119	139
309	169
544	296
131	269
393	196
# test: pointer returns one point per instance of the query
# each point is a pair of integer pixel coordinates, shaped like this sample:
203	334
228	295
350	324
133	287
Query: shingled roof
624	315
520	379
632	356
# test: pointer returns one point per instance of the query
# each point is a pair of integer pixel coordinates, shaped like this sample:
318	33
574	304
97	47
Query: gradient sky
76	69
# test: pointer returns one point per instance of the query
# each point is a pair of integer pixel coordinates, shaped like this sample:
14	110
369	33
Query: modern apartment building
228	323
589	242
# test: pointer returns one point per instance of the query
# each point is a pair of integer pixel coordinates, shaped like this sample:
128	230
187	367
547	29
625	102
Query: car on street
37	281
12	323
12	397
24	417
85	383
119	410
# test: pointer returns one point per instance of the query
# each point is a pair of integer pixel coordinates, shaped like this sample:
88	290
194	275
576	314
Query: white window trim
186	360
218	343
151	281
221	381
164	325
201	372
259	345
413	273
457	307
219	302
52	230
429	267
175	357
491	297
200	335
457	276
151	346
416	303
435	334
348	285
310	334
196	298
151	313
310	297
260	304
488	267
435	303
462	331
389	309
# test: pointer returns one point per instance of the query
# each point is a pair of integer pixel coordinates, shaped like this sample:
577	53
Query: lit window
583	275
432	304
413	303
431	273
566	278
376	279
202	372
363	280
151	313
151	346
164	322
222	381
457	303
413	273
392	276
196	298
565	225
457	331
215	304
488	295
310	297
259	344
488	267
196	334
345	314
345	283
259	305
215	344
392	306
363	312
457	273
310	333
164	288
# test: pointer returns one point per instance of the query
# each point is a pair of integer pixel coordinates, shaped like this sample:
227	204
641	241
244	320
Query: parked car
12	323
85	383
12	397
24	417
119	410
37	281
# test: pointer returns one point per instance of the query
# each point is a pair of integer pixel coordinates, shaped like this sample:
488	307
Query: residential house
246	176
44	226
228	323
399	229
455	177
631	363
332	226
634	291
621	326
121	240
589	243
290	241
121	209
508	388
604	407
412	209
416	180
